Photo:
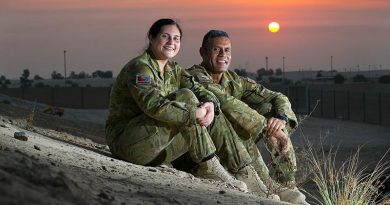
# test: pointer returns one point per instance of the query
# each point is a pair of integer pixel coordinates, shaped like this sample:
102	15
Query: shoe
212	169
292	195
255	185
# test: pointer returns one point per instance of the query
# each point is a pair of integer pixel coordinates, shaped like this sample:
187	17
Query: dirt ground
65	161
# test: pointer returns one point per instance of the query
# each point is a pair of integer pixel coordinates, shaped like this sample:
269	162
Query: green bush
339	79
359	78
384	79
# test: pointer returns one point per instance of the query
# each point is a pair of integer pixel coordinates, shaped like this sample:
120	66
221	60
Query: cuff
191	115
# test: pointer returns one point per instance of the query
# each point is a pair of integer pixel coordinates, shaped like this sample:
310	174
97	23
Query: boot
288	192
212	169
254	183
292	195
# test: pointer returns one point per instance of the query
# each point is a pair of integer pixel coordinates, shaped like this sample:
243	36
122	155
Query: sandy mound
64	161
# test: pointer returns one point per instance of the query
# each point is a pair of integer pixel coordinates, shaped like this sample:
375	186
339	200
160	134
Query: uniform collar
152	62
224	80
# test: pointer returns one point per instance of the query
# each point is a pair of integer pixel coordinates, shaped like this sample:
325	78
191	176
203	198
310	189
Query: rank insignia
143	80
205	79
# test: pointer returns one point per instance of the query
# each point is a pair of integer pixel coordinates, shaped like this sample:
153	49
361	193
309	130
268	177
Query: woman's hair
156	27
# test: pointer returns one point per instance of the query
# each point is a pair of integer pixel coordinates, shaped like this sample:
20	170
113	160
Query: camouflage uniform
247	105
152	118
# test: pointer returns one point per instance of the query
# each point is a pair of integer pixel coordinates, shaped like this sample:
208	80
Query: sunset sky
104	35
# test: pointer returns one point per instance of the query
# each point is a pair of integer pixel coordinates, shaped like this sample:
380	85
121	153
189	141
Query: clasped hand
276	136
205	114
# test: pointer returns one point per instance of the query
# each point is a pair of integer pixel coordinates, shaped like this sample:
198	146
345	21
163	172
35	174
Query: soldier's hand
280	141
209	116
200	112
274	125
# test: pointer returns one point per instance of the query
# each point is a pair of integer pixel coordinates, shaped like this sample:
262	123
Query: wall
361	103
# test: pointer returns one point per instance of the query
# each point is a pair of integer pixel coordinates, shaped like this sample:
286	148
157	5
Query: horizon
291	75
99	35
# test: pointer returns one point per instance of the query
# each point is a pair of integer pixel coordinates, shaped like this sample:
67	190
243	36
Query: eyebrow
171	34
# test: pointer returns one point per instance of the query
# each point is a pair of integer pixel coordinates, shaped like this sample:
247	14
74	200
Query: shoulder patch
251	81
143	79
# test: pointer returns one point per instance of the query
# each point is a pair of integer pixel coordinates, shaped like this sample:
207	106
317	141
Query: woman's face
167	42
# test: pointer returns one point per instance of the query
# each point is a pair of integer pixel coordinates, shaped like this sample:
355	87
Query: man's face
217	55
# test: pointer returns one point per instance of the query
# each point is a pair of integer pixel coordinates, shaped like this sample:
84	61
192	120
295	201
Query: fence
348	103
345	104
70	97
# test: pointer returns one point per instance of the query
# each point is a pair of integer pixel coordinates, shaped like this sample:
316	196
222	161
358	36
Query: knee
187	96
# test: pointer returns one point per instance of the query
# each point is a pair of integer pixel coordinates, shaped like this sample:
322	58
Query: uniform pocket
139	128
141	141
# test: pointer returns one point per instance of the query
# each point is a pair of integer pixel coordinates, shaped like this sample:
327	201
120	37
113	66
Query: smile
168	48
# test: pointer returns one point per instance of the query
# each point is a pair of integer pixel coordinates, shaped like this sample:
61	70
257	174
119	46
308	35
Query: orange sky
100	34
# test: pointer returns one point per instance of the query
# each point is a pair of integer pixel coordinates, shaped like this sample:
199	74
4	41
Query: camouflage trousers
283	166
231	150
146	141
235	153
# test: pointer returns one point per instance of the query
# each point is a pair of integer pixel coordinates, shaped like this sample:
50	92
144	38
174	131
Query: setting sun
273	27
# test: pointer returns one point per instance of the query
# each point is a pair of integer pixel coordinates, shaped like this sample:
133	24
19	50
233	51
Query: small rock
222	192
152	170
20	136
104	168
98	147
37	148
103	195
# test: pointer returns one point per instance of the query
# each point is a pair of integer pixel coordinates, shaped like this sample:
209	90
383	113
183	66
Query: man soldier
254	112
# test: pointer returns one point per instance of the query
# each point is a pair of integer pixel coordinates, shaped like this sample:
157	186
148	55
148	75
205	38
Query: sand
65	161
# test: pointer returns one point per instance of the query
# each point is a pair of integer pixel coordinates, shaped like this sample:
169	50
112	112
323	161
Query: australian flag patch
142	79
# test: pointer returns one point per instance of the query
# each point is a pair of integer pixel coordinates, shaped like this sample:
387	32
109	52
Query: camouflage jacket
139	89
244	102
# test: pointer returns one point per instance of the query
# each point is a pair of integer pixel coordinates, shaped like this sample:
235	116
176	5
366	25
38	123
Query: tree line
25	80
274	76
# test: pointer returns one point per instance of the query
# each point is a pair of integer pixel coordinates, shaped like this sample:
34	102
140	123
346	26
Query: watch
282	116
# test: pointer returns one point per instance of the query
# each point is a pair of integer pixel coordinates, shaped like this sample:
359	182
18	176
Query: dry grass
30	118
346	183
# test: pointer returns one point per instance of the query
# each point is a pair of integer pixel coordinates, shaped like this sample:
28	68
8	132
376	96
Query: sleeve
152	100
258	97
246	122
188	81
